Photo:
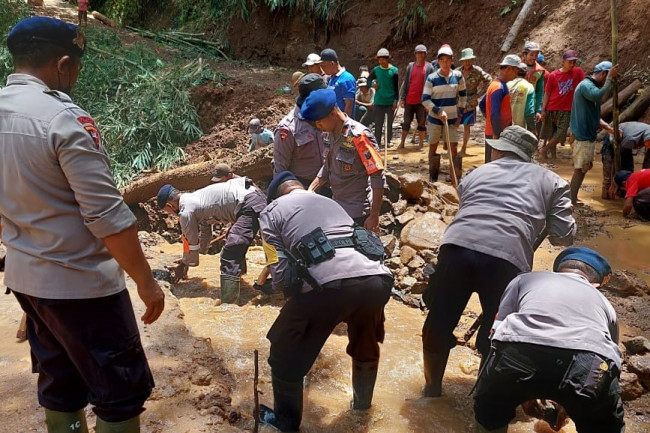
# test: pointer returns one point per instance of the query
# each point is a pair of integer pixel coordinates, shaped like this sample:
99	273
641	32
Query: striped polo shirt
444	93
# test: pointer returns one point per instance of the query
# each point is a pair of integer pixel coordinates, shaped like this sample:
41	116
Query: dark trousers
381	111
241	234
584	383
88	351
307	320
459	273
641	204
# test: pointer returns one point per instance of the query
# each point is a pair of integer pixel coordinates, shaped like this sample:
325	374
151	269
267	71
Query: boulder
393	263
389	242
387	222
399	207
637	345
424	232
405	218
412	186
429	256
407	282
407	254
448	192
640	365
418	288
393	190
625	283
631	389
416	263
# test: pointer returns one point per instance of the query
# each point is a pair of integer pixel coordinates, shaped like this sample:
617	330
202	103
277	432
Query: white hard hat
383	52
445	50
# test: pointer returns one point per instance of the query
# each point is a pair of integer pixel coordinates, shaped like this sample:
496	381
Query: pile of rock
635	377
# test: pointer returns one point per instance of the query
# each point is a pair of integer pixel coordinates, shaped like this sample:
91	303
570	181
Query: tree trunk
255	165
514	30
623	95
636	108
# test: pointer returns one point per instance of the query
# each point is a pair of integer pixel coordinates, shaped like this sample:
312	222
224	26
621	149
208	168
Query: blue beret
163	195
587	256
318	105
276	182
50	30
621	176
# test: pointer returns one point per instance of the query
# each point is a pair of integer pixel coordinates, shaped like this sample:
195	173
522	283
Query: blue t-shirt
345	87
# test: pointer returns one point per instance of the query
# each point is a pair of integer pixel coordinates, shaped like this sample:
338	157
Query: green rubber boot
364	375
229	289
66	422
131	425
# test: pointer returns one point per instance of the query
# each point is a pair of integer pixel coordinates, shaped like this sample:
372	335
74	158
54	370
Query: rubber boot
434	167
608	168
229	289
434	370
66	422
458	167
287	406
364	375
131	425
478	428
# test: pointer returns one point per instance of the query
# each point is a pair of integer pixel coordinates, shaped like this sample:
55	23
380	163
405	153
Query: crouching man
555	338
332	273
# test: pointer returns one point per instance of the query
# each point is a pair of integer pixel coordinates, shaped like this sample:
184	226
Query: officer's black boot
458	167
434	167
364	375
434	370
229	289
287	406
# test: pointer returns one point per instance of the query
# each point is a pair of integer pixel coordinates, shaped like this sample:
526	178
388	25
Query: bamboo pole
617	149
514	30
256	395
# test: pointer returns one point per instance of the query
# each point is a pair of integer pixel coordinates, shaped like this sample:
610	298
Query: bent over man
236	200
69	239
555	338
504	206
344	284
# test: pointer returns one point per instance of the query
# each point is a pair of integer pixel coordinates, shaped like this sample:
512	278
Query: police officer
234	200
69	236
555	337
352	165
344	286
297	145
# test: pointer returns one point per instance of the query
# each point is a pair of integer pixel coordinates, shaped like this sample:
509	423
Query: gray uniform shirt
58	199
292	216
558	310
505	204
351	185
219	202
297	147
634	134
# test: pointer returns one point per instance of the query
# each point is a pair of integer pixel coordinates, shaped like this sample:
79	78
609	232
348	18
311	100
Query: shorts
469	117
436	133
419	112
583	155
556	125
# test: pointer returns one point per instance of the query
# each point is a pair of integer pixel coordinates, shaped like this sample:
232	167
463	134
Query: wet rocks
631	389
625	283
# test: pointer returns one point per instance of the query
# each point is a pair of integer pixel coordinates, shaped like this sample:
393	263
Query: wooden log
636	108
103	19
615	114
623	95
514	30
255	165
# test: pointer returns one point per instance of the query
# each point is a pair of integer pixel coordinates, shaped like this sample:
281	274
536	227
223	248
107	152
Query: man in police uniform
555	337
345	285
69	236
504	206
233	200
297	145
352	165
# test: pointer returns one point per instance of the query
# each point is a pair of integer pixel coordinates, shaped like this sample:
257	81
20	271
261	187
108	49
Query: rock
389	242
393	190
631	389
412	186
399	207
418	288
424	232
428	255
402	272
407	254
426	197
405	218
393	263
407	282
640	365
448	192
416	263
387	221
201	377
637	345
418	274
625	283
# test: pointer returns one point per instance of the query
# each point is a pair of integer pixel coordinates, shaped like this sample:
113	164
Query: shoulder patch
283	133
89	125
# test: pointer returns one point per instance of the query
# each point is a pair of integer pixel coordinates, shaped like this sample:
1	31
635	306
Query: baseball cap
570	55
221	170
467	54
295	77
163	195
383	52
517	140
445	50
362	82
308	84
420	49
328	55
254	126
318	105
312	59
523	66
511	60
588	257
531	46
621	176
278	180
603	66
50	30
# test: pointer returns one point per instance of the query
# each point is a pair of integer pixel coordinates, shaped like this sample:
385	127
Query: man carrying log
491	241
236	200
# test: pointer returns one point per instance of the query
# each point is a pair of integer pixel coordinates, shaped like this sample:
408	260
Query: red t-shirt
83	5
638	181
561	86
416	84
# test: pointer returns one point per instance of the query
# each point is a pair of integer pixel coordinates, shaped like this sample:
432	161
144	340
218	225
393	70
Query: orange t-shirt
497	105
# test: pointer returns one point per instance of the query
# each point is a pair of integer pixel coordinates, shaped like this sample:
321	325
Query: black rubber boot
287	406
66	422
458	167
229	289
434	370
364	375
131	425
434	167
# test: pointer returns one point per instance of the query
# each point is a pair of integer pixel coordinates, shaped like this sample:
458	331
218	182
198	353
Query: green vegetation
11	11
507	9
409	20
